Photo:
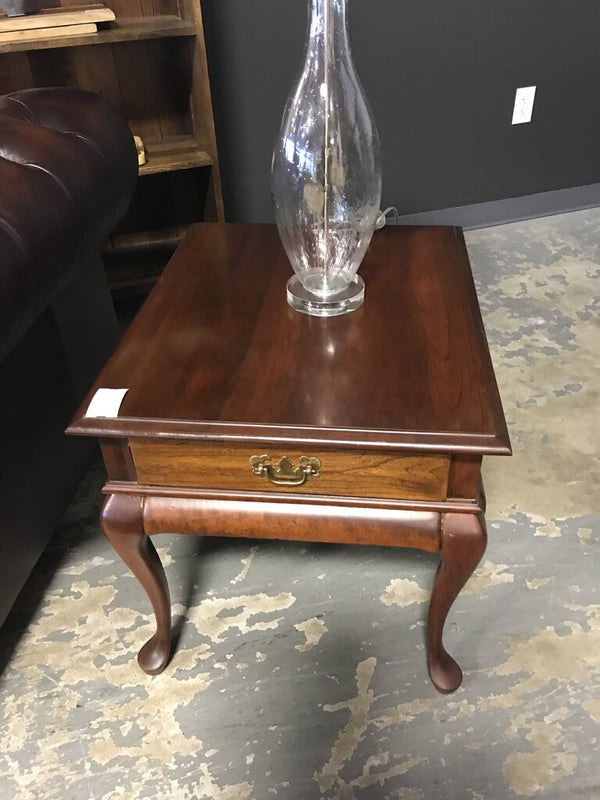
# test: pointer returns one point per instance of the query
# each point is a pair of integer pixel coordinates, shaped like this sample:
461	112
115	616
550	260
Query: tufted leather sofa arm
68	168
67	172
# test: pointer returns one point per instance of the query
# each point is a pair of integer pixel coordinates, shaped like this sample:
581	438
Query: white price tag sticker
106	403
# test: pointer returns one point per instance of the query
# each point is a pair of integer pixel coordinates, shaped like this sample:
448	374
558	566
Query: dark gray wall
441	77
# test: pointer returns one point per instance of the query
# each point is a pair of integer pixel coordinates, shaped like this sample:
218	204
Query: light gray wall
441	77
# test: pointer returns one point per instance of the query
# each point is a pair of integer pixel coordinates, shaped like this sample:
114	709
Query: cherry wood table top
216	353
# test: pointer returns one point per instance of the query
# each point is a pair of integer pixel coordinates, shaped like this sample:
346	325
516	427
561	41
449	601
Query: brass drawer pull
285	474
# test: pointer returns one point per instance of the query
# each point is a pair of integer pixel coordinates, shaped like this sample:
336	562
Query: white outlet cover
523	108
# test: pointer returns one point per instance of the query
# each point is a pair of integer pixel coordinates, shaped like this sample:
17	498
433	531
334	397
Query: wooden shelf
121	30
152	68
174	153
164	239
135	261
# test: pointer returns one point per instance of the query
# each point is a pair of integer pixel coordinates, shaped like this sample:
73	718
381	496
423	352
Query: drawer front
347	473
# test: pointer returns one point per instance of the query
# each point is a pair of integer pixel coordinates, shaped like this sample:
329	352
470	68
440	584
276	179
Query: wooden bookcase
151	64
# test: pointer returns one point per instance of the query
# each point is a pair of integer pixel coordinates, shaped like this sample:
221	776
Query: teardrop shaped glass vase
326	172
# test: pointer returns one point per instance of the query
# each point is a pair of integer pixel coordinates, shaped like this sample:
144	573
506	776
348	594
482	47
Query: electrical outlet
523	108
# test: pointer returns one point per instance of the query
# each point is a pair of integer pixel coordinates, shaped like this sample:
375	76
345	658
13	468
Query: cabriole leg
122	523
463	544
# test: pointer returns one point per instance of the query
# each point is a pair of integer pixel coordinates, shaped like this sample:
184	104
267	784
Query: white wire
382	218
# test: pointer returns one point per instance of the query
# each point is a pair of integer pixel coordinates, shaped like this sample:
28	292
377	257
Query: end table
245	418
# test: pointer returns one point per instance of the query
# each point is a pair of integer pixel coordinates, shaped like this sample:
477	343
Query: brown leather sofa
68	167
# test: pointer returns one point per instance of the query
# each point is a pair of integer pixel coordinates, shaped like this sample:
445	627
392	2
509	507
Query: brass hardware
285	474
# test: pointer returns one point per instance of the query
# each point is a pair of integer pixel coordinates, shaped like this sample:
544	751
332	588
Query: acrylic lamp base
343	302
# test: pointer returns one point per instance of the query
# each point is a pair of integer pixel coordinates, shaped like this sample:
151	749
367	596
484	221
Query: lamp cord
381	220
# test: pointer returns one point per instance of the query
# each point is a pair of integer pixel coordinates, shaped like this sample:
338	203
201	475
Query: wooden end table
246	418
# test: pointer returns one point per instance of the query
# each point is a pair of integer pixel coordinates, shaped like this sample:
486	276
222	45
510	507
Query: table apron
292	521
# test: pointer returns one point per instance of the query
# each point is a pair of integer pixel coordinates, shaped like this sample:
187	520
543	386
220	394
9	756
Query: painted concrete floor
300	669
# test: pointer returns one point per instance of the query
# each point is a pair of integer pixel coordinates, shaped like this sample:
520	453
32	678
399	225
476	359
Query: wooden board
56	17
42	33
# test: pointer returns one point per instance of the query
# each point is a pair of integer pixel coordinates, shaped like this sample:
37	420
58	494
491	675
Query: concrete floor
299	670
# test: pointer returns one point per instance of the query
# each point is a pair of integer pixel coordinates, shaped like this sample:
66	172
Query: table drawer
359	473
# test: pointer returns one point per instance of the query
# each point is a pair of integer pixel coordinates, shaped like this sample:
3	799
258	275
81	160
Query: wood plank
140	8
121	30
174	154
55	17
37	34
163	239
134	28
203	121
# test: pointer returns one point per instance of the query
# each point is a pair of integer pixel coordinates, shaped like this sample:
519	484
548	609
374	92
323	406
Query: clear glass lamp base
343	302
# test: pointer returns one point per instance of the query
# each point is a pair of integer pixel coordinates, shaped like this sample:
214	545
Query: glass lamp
326	172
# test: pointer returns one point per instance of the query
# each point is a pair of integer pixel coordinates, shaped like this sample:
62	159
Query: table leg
463	544
481	499
122	523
